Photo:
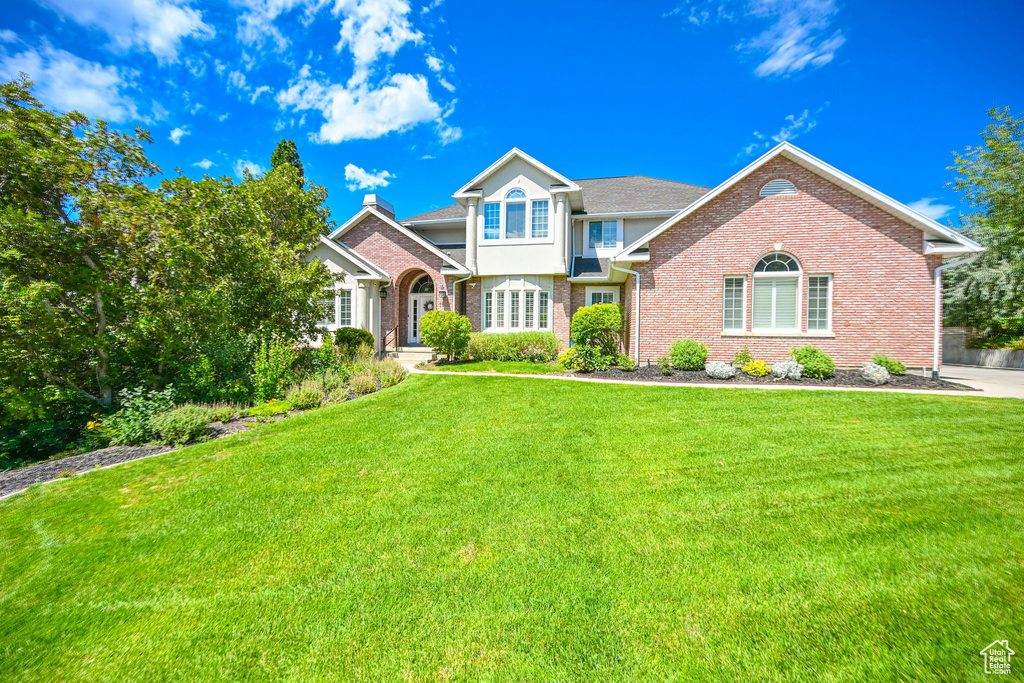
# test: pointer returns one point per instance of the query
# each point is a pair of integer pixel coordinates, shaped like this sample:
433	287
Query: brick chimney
375	201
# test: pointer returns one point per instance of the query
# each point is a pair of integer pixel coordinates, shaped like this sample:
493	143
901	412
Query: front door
418	305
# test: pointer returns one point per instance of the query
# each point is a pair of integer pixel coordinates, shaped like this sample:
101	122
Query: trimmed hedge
599	325
509	346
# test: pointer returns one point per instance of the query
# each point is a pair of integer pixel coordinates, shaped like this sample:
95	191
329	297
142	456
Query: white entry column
471	214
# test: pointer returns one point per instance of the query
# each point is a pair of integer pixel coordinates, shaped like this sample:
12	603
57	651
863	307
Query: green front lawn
485	527
511	367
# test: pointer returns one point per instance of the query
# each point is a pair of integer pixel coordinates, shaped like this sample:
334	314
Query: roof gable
368	211
830	173
514	153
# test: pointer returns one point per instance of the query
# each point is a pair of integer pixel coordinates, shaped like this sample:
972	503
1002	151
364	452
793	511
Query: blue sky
412	100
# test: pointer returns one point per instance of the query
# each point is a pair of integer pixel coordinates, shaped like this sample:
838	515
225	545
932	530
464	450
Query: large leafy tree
989	293
107	281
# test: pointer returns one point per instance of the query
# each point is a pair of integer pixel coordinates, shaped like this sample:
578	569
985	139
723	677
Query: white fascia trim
464	192
945	249
828	172
437	221
376	273
445	258
627	214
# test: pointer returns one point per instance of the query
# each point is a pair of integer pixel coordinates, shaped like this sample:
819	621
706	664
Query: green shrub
583	358
388	372
363	383
894	366
347	341
332	381
599	325
132	425
222	412
756	368
183	424
272	368
817	363
743	357
510	346
688	354
269	409
447	331
306	395
625	362
665	363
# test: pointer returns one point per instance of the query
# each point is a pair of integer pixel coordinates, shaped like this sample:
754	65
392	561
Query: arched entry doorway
421	300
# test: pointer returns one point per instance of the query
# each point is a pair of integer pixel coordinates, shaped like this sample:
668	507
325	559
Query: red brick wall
882	288
405	261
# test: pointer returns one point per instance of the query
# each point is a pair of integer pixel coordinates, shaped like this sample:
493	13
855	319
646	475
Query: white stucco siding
365	303
445	233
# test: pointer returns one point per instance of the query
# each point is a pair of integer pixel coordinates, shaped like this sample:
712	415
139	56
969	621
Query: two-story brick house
788	251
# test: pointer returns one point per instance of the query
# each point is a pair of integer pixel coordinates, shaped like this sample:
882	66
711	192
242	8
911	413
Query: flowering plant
535	354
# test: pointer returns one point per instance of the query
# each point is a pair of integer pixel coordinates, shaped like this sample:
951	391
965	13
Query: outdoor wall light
383	293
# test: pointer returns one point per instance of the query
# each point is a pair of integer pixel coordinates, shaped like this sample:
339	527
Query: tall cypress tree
286	153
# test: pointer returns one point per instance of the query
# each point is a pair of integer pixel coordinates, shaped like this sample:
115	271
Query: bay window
516	303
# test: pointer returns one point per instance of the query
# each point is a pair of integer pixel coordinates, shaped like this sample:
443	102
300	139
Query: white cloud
359	179
928	207
243	165
158	26
799	35
67	82
363	112
372	28
794	126
427	156
434	63
204	164
446	85
177	134
224	116
8	36
434	4
257	92
448	134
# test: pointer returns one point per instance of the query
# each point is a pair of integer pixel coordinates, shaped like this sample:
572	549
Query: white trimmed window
517	303
330	308
515	215
492	221
602	295
539	224
603	234
819	303
345	307
776	292
734	303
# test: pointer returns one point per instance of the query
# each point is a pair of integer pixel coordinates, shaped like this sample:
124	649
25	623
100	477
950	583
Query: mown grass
511	367
511	529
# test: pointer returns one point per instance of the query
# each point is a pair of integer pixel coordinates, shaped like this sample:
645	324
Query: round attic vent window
778	186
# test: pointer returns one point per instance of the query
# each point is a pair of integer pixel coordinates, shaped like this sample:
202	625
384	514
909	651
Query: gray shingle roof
637	193
454	212
590	267
456	251
609	195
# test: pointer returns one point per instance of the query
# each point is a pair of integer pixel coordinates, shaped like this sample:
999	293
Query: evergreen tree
286	153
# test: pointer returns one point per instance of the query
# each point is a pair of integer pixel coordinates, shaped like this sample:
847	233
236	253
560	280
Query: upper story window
515	214
520	219
776	293
603	234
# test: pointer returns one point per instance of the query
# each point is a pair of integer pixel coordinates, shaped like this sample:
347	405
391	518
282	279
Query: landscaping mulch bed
841	378
16	480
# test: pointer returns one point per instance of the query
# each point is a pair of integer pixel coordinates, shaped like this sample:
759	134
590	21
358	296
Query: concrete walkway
998	382
989	389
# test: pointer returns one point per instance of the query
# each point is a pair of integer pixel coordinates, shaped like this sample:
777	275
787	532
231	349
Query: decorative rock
719	370
788	369
874	373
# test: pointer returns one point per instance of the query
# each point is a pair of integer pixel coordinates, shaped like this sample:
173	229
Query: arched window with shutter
776	294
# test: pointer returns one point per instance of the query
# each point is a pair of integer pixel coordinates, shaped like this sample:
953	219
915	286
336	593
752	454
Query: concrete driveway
994	381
